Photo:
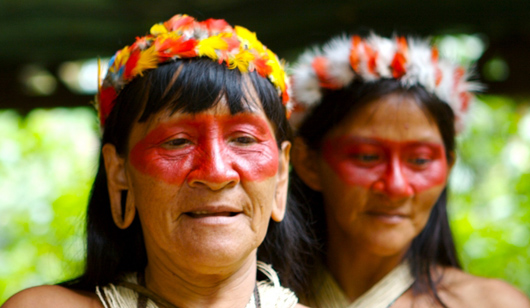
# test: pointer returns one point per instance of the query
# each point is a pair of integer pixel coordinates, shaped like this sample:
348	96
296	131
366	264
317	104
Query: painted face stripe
208	147
395	168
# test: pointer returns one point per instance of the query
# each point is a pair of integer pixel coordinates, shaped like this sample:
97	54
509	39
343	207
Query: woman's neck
231	287
355	268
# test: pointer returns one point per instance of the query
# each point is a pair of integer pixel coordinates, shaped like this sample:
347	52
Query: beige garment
271	293
382	295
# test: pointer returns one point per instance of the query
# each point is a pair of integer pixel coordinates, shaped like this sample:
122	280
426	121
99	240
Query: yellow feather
278	74
242	60
121	58
158	29
249	38
207	47
148	60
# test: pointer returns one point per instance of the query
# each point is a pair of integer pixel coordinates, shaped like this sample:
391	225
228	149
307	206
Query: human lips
213	211
388	216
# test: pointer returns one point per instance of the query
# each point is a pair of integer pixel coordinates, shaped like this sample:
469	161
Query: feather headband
183	37
411	61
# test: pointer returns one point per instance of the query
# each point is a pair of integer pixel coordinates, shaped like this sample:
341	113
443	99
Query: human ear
305	163
117	184
282	183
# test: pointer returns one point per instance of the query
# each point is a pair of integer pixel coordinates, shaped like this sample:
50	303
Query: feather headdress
183	37
411	61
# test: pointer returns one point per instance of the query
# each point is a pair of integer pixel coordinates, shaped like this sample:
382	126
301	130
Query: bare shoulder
52	296
300	306
461	289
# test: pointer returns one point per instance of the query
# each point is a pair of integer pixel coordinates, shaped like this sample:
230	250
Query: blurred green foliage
48	160
47	163
490	189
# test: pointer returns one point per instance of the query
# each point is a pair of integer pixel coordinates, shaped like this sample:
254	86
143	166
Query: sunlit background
49	133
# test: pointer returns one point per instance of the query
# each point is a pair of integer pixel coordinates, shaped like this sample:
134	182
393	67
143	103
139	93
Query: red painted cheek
257	164
212	156
150	158
257	161
339	159
435	174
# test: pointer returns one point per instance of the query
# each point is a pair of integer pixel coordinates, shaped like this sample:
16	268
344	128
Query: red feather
434	54
458	75
106	103
179	21
261	66
465	98
233	42
131	64
372	58
320	65
215	25
438	76
285	97
177	47
402	45
354	54
398	65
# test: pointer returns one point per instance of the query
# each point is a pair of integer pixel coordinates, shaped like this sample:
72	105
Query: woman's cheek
161	164
361	176
434	175
257	163
350	172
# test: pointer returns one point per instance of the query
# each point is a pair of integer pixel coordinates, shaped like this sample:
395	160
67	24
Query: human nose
394	182
214	168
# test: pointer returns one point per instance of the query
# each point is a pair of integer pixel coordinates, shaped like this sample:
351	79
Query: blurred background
49	133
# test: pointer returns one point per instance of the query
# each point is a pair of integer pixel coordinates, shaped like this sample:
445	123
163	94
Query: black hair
434	245
191	86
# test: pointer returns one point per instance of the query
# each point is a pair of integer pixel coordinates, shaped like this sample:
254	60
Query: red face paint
208	147
399	169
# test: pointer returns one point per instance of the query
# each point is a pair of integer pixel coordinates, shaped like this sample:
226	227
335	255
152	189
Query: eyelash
176	143
366	157
419	161
181	142
244	140
370	158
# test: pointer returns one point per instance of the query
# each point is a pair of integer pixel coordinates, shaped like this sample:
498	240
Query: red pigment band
395	168
208	147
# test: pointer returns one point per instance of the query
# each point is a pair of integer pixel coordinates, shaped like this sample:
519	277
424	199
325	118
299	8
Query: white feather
420	69
337	51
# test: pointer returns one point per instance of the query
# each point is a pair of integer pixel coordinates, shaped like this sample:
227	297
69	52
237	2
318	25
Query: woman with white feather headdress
376	120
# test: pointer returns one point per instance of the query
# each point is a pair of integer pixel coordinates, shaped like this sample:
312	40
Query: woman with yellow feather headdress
193	176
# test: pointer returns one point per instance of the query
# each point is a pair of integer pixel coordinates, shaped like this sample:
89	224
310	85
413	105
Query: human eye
366	157
244	140
421	157
420	161
176	143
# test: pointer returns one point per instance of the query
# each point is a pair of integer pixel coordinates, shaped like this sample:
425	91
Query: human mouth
214	215
388	217
202	214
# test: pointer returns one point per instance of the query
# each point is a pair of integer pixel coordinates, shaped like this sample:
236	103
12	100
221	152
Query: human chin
219	250
390	242
222	241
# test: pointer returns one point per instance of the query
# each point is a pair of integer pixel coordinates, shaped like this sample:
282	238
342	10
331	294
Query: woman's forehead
393	117
249	105
219	110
